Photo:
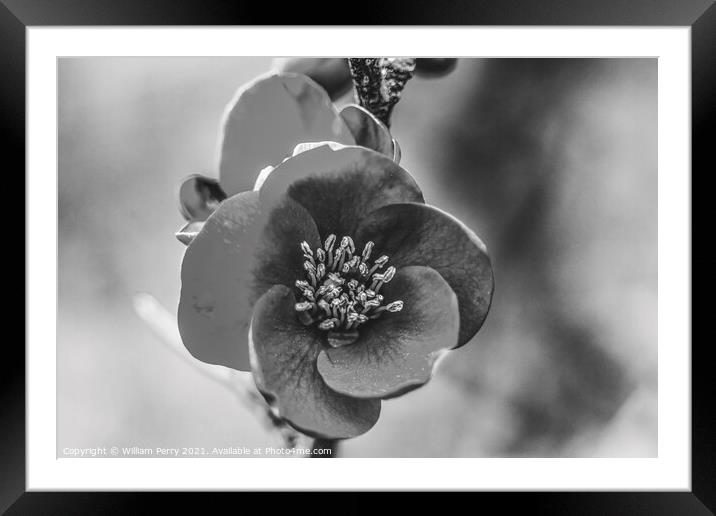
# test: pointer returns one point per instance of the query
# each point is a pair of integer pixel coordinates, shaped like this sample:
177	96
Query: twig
163	324
379	81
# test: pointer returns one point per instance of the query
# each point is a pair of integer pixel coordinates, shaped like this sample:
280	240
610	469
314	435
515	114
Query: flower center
341	289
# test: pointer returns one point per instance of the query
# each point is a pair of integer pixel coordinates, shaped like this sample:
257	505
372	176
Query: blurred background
553	162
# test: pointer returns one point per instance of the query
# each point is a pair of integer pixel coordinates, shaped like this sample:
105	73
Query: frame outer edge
703	107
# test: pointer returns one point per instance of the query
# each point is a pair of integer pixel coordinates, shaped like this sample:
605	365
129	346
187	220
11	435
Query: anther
339	257
332	292
323	305
336	278
380	262
367	250
342	291
395	306
303	306
320	255
328	324
347	242
329	243
388	274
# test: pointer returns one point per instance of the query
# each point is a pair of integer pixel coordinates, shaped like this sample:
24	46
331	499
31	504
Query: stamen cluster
341	289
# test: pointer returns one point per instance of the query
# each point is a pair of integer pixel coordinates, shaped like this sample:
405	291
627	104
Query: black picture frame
700	15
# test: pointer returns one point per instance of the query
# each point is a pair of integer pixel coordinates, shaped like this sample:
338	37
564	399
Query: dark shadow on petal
279	259
418	234
283	354
396	352
340	186
199	197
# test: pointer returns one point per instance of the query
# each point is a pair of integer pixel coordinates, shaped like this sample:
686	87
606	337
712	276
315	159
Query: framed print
468	269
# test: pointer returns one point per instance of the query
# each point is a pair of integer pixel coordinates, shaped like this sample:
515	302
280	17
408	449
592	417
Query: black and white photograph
378	257
448	247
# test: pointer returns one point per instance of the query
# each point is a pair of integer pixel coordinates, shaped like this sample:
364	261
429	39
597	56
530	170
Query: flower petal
283	354
397	153
396	352
332	74
237	255
340	185
279	259
199	196
214	309
267	119
367	130
434	67
418	234
189	231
